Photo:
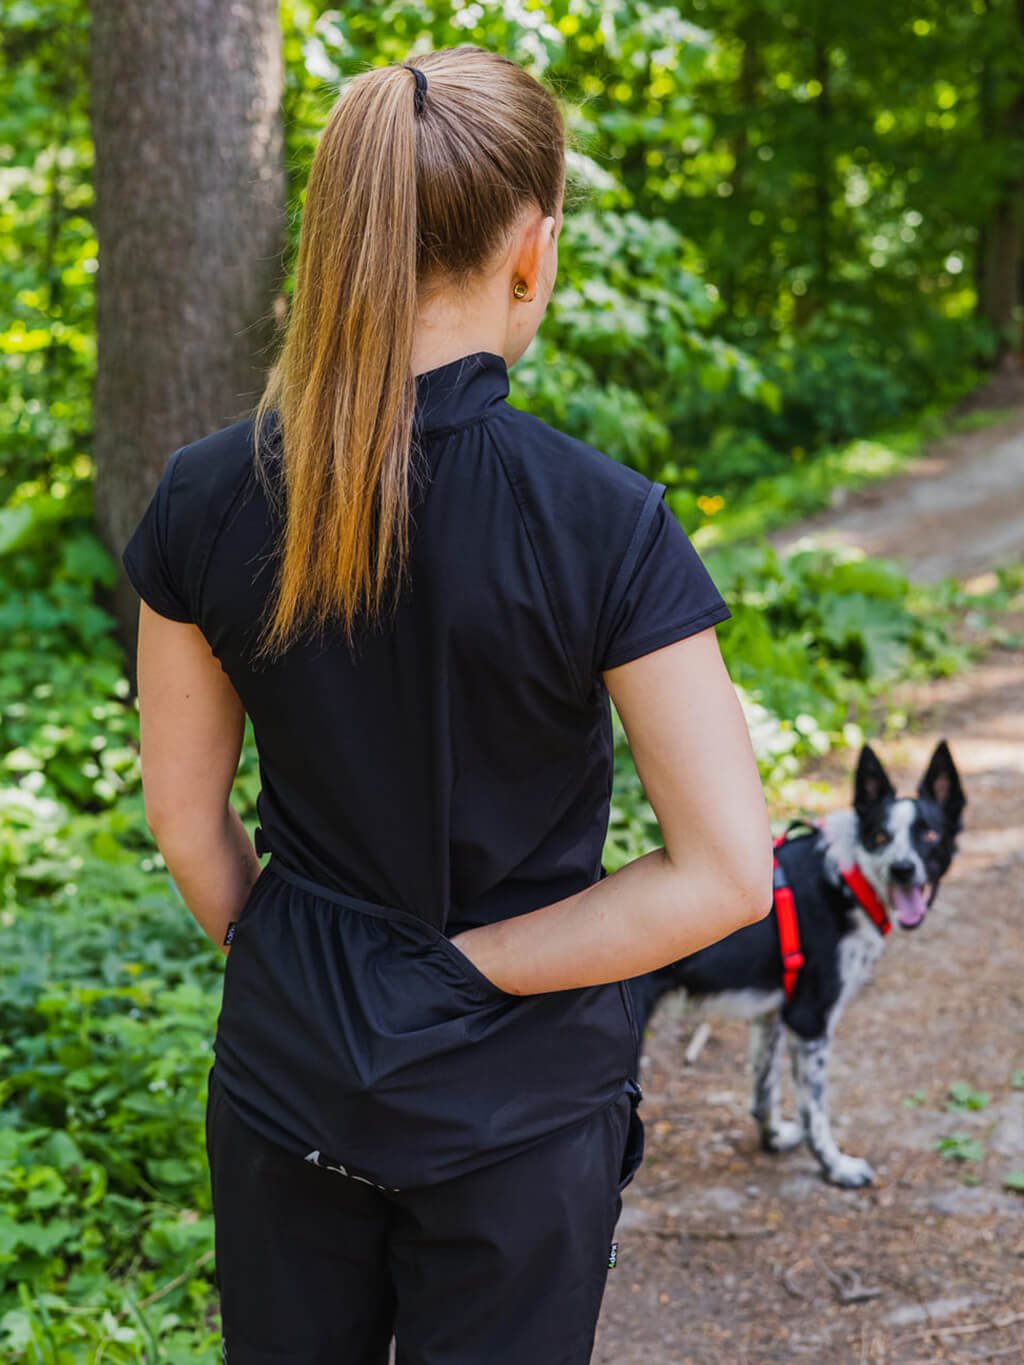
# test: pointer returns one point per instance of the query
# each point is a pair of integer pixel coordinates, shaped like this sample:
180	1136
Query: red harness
785	911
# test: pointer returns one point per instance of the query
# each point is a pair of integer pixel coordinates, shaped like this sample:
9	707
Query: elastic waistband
327	893
330	893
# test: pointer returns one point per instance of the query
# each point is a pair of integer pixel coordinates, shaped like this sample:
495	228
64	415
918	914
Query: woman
422	1108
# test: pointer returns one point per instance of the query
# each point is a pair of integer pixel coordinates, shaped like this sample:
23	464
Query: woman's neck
450	324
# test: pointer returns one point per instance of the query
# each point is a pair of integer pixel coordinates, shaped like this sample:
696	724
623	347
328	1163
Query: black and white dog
847	879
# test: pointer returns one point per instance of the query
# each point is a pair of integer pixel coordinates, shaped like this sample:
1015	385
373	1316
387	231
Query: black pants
500	1266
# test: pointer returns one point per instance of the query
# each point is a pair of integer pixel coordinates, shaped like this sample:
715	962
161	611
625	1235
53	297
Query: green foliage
108	999
108	989
964	1148
64	725
49	252
964	1096
770	251
960	1147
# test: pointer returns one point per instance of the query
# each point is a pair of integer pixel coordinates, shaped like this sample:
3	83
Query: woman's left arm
191	726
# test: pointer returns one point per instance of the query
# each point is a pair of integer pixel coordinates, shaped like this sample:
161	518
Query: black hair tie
420	93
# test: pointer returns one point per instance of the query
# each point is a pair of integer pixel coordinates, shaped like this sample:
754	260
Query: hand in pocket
467	945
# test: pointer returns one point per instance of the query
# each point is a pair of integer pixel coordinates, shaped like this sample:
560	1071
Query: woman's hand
692	750
482	946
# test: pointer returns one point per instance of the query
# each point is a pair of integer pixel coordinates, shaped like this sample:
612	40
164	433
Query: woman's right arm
692	751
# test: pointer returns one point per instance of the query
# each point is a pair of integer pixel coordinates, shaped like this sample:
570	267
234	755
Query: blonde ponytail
407	187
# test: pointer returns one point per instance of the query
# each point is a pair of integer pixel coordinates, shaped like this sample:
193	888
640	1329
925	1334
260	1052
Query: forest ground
729	1256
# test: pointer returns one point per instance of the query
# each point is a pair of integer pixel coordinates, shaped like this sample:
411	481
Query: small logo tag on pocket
613	1256
231	930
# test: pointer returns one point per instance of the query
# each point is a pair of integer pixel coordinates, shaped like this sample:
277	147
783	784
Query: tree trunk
1000	300
986	128
823	154
190	218
1002	277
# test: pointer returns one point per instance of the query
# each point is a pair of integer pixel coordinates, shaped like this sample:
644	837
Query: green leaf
963	1096
960	1147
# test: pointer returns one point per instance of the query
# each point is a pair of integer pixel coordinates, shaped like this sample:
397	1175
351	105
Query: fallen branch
710	1234
696	1045
964	1330
726	1234
788	1282
848	1286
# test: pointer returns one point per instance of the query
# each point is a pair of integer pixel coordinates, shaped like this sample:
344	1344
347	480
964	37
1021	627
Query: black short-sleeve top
458	764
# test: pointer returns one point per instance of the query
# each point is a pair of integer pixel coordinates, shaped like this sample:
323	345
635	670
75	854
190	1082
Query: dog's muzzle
910	903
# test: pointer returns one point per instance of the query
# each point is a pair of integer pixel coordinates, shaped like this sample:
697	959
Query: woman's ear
538	235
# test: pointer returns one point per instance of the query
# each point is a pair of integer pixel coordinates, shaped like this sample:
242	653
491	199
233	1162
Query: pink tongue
910	905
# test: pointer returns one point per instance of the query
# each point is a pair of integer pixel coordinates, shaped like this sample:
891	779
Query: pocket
214	1099
214	1105
629	1007
248	909
633	1152
470	970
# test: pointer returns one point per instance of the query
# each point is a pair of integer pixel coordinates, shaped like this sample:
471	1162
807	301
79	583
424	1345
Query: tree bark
1002	276
192	229
823	157
1001	269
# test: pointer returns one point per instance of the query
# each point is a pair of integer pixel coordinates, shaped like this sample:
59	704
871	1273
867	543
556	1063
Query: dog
838	888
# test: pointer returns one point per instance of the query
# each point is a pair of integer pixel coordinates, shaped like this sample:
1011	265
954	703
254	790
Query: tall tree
192	230
1002	86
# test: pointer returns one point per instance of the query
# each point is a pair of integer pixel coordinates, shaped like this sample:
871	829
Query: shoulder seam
207	554
556	615
648	508
172	472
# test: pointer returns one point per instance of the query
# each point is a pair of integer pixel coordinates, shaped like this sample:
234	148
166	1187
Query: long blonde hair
398	200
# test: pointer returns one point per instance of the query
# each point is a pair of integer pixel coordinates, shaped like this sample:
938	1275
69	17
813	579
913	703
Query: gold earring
520	289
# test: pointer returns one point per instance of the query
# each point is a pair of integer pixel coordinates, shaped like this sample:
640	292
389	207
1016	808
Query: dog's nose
902	871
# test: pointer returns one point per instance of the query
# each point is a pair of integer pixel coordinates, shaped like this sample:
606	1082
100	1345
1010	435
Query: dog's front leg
810	1065
777	1134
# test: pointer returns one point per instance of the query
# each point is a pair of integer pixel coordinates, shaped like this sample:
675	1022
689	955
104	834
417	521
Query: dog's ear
871	783
941	784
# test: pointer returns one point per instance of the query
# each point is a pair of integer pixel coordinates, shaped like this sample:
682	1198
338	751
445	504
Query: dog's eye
931	836
879	838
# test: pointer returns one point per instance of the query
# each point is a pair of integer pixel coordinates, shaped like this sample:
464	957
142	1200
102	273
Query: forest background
792	254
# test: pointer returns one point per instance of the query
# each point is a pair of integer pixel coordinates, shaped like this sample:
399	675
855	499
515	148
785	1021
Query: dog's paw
782	1136
851	1172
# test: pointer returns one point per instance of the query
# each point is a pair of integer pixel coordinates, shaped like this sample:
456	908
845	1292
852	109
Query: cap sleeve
147	557
662	590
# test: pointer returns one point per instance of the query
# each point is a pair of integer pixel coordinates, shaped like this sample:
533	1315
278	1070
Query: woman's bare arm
191	725
692	751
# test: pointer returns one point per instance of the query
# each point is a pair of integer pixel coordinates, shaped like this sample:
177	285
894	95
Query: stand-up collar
460	391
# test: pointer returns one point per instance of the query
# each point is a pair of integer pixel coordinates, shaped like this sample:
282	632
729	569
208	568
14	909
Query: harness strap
788	926
864	894
866	897
785	908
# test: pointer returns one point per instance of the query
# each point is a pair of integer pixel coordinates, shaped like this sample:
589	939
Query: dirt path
728	1255
959	510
